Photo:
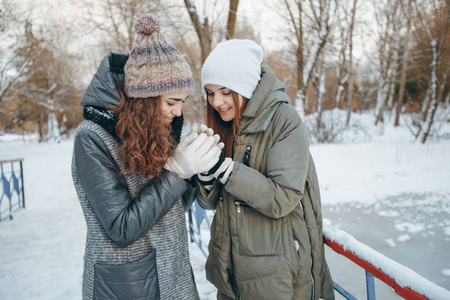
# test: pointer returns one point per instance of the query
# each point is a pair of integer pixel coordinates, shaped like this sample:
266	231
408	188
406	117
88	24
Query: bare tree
15	25
350	62
204	29
315	17
47	86
388	19
295	10
113	20
439	19
346	10
231	23
208	27
404	62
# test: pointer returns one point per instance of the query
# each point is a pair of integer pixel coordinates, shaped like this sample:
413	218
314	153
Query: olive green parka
268	204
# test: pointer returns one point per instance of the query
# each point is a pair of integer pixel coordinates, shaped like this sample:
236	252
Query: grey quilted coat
136	243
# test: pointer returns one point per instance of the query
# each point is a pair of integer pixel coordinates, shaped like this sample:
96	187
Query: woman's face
171	105
221	100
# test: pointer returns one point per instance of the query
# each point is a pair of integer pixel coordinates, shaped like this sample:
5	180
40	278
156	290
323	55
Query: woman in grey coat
132	175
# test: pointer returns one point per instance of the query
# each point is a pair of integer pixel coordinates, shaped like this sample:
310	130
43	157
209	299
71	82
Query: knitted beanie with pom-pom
155	67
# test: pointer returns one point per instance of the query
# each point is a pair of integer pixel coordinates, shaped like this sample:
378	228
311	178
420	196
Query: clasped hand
221	170
196	153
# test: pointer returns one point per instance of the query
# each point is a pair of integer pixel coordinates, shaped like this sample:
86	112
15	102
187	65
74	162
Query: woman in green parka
266	236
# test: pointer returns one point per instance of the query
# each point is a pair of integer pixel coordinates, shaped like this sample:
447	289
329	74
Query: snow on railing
11	178
405	282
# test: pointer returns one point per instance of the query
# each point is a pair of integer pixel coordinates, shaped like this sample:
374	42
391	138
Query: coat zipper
312	261
238	204
220	201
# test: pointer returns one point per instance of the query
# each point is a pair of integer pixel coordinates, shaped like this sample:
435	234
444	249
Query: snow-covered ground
389	192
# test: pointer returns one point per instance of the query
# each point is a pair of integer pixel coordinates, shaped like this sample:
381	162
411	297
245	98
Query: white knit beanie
234	64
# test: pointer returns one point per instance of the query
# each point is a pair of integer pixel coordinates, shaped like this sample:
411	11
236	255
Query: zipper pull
238	205
220	200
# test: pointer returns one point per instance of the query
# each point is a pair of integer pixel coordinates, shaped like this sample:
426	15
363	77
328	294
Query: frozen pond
412	229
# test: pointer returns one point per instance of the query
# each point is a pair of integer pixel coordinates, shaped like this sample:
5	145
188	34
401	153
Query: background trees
336	57
430	22
39	76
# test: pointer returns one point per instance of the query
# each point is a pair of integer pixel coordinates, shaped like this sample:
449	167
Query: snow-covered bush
331	126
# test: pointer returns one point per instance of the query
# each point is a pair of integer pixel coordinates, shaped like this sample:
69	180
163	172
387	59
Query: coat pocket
258	234
300	234
132	280
217	225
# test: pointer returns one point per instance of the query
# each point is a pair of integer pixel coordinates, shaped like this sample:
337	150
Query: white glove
194	154
209	132
203	129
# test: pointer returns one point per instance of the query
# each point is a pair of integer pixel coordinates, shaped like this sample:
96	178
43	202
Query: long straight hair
226	130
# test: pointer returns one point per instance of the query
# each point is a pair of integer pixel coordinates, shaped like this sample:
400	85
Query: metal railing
413	286
12	195
198	217
404	281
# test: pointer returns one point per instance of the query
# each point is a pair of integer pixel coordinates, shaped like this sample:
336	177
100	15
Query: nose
176	111
215	100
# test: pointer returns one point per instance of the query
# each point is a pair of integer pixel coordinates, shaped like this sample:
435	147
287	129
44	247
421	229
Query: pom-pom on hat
155	67
234	64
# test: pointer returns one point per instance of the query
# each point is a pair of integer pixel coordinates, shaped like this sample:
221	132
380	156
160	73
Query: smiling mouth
223	110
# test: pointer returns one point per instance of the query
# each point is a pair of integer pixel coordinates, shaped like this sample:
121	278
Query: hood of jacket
269	93
105	86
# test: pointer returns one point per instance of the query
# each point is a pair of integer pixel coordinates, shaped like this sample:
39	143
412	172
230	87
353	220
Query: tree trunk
299	104
381	100
429	122
202	29
405	58
231	23
41	128
300	67
349	95
433	97
350	69
298	29
320	92
341	68
53	132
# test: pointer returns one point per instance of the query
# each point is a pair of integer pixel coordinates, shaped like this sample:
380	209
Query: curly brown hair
146	143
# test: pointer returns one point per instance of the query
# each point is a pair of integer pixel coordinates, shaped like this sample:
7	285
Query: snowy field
389	192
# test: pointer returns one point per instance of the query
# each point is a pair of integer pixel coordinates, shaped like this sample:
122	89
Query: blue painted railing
199	220
12	196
